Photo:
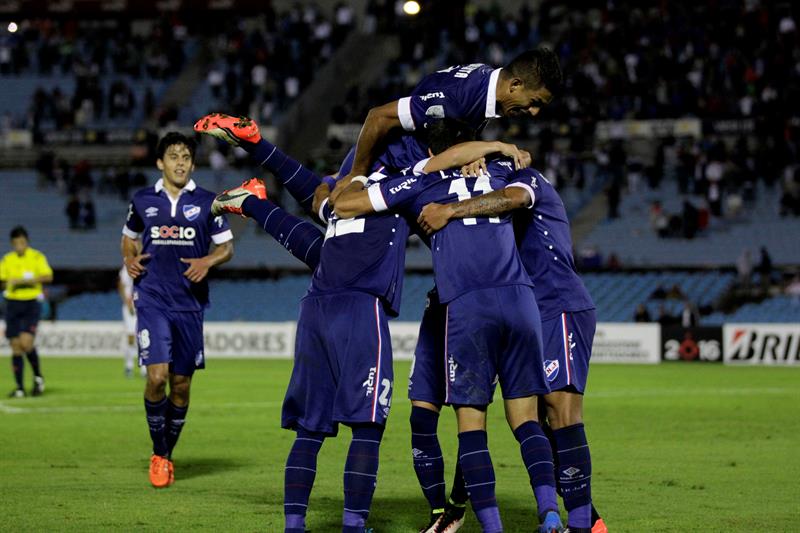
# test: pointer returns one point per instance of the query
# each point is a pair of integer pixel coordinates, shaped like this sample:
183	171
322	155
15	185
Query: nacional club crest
191	212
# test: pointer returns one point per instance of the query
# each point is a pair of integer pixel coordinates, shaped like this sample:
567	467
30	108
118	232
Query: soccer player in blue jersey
357	277
165	246
568	320
491	327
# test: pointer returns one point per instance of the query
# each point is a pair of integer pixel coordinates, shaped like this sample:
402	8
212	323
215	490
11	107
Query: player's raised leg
301	238
242	131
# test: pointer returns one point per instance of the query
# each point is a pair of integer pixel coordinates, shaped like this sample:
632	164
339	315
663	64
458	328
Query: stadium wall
737	344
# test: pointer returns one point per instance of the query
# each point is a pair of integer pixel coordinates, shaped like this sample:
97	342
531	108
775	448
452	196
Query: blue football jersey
172	230
365	253
468	254
462	92
545	245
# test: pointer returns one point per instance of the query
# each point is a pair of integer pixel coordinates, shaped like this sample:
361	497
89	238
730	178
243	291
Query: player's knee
564	414
157	380
179	391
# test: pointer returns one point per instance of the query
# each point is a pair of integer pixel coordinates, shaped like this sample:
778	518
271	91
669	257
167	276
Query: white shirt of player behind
128	316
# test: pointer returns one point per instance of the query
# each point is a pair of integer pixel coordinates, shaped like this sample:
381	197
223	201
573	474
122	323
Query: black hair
537	68
173	138
19	231
442	134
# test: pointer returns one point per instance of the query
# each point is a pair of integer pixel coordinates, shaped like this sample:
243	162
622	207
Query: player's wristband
361	179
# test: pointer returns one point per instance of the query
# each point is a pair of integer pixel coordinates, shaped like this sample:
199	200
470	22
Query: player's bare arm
353	201
465	154
131	256
199	266
436	216
379	122
321	193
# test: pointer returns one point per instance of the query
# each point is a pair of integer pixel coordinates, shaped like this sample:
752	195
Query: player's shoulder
144	193
35	254
7	257
203	195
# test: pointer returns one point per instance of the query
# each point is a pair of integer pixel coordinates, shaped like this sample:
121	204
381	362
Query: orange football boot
161	471
231	201
232	130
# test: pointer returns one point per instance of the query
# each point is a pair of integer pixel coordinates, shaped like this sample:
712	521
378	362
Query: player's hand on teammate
434	217
134	265
198	268
474	169
522	158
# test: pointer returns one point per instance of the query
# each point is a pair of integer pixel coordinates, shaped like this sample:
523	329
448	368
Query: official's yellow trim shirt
31	264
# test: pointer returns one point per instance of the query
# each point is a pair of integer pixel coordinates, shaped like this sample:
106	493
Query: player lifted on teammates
169	267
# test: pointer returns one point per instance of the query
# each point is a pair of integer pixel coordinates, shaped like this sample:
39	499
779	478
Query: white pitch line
15	410
699	391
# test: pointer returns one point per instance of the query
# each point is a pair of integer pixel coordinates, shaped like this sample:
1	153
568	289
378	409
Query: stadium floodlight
411	7
12	27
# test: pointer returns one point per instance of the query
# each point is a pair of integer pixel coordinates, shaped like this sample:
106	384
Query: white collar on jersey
491	94
190	186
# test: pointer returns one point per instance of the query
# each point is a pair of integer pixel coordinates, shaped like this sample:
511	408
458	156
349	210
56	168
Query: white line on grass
16	410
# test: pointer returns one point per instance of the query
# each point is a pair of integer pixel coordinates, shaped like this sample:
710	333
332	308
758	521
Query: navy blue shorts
342	364
22	316
492	333
174	337
568	348
426	380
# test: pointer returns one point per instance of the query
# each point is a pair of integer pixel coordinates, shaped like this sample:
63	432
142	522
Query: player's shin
175	420
476	464
574	474
33	359
18	367
298	180
301	238
538	459
301	469
156	421
360	476
427	456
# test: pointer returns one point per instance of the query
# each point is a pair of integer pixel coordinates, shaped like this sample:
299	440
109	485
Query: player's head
442	134
175	158
19	239
528	83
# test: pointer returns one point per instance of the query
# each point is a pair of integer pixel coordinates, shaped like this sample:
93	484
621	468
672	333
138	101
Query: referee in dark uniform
22	272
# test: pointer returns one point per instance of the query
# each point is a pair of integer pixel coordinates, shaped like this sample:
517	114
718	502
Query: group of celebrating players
508	306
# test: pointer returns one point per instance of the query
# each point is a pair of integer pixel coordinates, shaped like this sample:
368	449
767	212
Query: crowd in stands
262	64
105	70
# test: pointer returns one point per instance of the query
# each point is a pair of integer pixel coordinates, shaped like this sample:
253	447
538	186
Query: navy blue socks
298	180
156	421
427	456
360	476
18	366
175	418
476	465
301	238
574	474
33	359
301	469
538	459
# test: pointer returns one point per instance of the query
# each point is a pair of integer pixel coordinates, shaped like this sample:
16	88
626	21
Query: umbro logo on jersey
435	111
404	185
151	212
191	212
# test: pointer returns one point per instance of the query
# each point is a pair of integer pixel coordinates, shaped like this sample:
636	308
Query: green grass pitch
677	447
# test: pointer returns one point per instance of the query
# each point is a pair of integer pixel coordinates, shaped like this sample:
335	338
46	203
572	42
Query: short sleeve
219	229
415	112
3	270
527	180
134	225
42	266
390	194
